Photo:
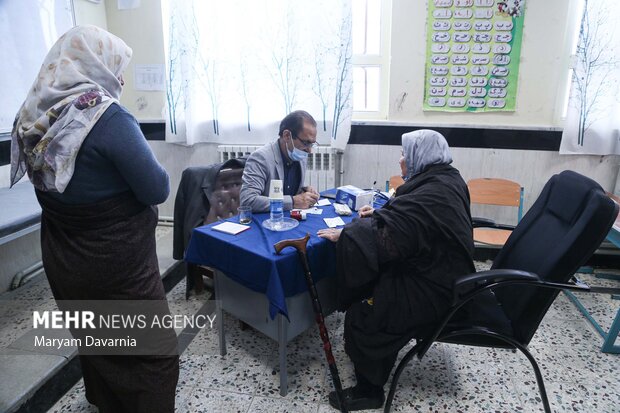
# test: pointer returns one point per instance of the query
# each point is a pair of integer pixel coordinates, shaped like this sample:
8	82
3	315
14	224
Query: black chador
396	268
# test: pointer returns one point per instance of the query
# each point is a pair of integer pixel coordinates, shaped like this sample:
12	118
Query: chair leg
399	369
539	378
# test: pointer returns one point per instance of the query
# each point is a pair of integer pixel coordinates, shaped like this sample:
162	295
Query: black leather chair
205	195
564	227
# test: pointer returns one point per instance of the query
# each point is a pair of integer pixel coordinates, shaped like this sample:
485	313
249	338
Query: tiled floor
450	378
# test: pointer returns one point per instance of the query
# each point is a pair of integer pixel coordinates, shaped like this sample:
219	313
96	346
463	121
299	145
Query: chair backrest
224	200
564	227
495	191
394	182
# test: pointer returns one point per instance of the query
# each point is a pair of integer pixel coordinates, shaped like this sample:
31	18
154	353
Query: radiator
320	172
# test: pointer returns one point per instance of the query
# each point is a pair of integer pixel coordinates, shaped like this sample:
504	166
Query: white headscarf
77	82
423	148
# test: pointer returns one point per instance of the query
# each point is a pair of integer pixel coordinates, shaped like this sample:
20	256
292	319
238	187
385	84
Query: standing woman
97	182
397	264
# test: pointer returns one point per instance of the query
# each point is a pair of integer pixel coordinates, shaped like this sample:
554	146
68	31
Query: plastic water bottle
276	212
276	204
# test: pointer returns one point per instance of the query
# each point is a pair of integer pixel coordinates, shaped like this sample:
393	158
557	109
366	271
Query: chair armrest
478	222
469	283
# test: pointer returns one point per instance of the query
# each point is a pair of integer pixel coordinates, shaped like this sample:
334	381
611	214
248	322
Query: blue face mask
296	154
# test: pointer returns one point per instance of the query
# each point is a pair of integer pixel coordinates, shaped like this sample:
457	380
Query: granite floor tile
203	400
193	369
74	401
602	397
422	389
306	378
563	397
326	408
563	309
601	307
271	405
206	343
553	363
485	394
468	361
450	378
181	399
232	373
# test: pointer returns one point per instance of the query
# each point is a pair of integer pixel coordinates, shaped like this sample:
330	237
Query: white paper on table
230	227
334	222
128	4
323	202
312	211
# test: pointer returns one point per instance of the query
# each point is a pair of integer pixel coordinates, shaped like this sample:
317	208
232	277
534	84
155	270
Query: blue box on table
353	196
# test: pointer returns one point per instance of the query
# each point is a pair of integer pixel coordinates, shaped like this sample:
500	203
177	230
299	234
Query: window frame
381	60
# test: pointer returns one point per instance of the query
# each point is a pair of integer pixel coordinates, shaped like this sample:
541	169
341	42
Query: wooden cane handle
299	244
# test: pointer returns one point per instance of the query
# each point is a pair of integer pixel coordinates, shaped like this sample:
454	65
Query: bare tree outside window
206	71
245	92
594	65
173	84
285	60
343	83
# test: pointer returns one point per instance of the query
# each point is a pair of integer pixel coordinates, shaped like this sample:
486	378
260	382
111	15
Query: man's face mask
296	154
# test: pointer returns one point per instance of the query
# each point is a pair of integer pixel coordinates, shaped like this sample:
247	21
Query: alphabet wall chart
472	55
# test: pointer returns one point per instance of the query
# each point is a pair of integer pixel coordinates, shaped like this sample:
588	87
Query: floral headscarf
423	148
78	81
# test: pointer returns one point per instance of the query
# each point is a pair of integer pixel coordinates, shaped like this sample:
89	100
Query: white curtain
593	117
235	68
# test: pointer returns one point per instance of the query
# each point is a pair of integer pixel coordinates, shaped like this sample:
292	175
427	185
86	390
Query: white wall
544	64
87	12
542	73
141	29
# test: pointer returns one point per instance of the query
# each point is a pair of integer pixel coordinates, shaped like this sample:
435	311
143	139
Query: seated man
397	264
284	159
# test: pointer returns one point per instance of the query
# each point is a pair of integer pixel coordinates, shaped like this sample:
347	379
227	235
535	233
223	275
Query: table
265	290
609	337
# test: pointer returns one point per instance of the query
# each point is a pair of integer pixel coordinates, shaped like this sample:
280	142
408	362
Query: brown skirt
106	251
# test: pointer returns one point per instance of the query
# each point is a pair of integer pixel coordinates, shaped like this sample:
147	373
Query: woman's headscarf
77	82
423	148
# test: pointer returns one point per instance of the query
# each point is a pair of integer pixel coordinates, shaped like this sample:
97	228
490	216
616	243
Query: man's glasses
307	144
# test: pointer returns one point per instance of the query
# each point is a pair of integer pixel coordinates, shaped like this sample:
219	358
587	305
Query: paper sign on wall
149	77
472	55
128	4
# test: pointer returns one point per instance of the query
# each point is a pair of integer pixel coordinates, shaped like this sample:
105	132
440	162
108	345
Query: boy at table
284	159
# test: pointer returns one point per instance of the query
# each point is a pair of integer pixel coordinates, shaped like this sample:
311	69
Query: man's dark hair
294	122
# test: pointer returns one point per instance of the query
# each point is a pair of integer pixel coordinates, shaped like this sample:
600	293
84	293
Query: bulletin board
473	49
28	29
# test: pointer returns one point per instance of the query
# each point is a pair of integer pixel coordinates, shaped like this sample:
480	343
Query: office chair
566	224
205	195
493	191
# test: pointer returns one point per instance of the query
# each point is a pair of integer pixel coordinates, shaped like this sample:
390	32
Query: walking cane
300	245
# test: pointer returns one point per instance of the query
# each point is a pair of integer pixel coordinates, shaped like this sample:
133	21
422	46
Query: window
371	56
594	68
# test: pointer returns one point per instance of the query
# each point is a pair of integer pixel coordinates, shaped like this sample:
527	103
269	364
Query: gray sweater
116	158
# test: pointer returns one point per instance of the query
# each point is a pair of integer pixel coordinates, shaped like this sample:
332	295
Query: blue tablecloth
250	259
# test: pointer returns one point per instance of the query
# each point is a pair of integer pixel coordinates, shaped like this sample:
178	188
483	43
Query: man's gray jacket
262	166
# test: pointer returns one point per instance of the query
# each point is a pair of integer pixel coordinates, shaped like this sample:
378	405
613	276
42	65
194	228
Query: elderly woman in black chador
396	265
